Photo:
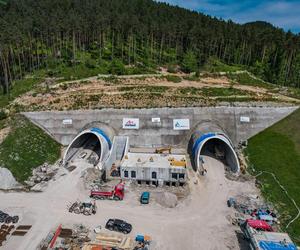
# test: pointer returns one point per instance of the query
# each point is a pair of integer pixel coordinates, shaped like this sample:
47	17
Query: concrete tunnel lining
83	138
201	142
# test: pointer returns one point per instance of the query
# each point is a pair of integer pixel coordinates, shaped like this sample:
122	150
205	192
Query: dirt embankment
3	133
144	92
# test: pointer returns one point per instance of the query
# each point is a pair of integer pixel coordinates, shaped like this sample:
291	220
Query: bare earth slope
145	92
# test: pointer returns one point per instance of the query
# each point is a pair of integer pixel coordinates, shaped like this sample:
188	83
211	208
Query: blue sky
281	13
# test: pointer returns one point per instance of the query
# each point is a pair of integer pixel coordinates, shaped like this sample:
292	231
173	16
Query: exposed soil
3	133
144	92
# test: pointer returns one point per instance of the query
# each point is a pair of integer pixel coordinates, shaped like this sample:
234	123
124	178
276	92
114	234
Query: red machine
259	225
116	194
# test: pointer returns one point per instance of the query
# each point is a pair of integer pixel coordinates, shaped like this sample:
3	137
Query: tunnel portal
215	144
91	140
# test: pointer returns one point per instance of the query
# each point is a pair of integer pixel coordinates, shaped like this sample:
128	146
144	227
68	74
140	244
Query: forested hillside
110	34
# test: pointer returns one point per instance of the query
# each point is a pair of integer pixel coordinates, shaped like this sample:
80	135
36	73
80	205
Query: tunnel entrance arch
219	147
210	139
93	139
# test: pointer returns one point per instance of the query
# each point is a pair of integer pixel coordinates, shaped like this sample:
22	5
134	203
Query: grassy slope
26	147
247	79
20	87
277	150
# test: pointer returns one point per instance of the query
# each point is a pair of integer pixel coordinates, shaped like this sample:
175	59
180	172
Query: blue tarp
265	217
100	132
266	245
199	140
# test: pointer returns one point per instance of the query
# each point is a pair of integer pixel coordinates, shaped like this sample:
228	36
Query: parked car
3	217
145	198
6	218
118	226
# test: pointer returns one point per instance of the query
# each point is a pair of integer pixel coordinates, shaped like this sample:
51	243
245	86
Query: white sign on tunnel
181	124
131	123
67	121
245	119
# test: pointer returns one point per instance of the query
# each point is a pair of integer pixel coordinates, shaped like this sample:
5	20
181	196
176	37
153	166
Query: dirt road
198	222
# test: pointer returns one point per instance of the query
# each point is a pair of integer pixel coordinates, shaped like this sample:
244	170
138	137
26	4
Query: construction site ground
199	221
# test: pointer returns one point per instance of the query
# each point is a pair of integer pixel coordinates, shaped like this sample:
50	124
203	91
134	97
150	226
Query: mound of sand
7	180
166	199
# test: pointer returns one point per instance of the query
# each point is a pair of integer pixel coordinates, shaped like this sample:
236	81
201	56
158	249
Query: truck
116	194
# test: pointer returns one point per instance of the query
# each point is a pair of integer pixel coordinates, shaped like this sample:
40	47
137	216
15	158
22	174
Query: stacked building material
107	241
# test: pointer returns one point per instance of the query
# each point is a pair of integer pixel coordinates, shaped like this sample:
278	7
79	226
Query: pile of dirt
166	199
43	173
92	178
7	180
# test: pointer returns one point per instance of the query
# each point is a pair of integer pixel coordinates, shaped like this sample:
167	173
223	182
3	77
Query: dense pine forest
111	35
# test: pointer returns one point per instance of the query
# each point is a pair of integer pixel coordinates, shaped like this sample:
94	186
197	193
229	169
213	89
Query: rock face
7	180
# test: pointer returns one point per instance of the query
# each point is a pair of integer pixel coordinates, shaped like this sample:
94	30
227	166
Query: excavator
162	150
175	163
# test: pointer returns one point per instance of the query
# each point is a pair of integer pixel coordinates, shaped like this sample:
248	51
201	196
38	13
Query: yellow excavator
162	150
175	163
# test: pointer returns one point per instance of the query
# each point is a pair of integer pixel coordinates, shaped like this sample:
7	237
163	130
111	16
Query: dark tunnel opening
218	149
87	141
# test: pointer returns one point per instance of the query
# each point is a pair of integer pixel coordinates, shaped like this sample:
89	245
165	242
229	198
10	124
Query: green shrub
3	115
193	77
214	65
172	78
117	67
171	68
91	63
246	79
189	63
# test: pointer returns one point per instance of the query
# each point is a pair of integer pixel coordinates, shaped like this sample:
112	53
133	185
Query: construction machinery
86	208
116	194
143	242
163	149
181	163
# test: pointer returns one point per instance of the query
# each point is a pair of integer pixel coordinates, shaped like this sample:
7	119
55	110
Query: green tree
189	63
117	67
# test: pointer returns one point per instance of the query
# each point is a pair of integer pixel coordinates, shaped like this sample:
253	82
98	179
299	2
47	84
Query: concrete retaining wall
155	134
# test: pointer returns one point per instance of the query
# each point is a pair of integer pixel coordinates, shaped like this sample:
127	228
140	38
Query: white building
155	169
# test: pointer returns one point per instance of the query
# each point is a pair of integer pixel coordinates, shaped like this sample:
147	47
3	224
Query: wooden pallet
24	227
19	233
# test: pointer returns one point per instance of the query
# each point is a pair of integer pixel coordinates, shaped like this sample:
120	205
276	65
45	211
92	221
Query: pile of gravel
92	178
166	199
7	180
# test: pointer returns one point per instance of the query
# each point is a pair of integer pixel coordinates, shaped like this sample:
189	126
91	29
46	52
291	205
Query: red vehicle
116	194
259	225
